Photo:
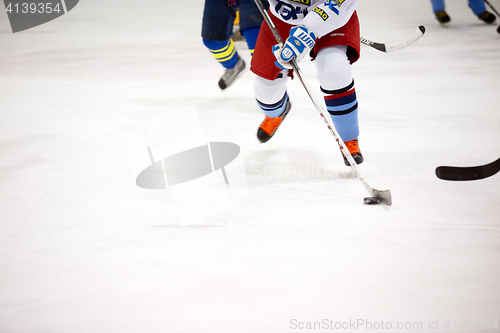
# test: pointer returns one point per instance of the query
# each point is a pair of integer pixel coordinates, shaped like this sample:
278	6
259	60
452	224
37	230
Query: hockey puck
371	201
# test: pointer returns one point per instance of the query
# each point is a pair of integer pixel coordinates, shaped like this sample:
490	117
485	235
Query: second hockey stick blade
468	173
397	44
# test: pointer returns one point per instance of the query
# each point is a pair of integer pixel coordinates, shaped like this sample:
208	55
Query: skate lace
353	146
269	125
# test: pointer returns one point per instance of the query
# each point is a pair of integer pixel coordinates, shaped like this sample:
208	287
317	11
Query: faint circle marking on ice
188	165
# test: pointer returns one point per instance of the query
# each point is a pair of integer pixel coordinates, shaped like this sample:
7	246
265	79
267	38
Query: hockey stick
468	173
493	9
397	44
376	195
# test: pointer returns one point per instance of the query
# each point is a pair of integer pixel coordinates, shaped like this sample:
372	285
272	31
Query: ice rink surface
90	100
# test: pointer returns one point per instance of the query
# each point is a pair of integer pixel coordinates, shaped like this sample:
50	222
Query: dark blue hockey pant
219	15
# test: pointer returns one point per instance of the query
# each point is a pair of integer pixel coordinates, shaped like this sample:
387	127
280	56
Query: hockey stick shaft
384	196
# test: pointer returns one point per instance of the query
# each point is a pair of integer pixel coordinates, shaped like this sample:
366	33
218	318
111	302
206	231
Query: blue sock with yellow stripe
342	105
223	51
251	35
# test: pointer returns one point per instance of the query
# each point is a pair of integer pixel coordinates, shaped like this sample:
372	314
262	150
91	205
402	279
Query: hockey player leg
273	100
225	53
251	35
478	7
217	26
337	84
438	9
250	22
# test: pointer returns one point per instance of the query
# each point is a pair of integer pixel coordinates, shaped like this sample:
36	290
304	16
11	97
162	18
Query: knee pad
333	67
270	91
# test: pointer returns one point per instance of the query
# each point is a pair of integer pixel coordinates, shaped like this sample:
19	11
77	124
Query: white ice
84	249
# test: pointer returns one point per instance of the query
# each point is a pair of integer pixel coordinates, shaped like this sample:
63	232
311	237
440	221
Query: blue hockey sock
477	6
250	35
342	105
274	110
223	51
438	5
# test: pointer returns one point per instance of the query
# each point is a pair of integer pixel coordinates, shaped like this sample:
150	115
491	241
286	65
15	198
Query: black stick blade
468	173
381	197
